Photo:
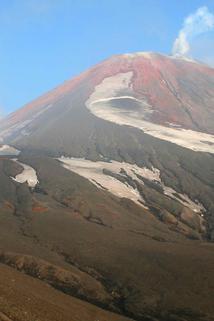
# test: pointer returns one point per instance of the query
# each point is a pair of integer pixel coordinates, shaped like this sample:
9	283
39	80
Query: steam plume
195	24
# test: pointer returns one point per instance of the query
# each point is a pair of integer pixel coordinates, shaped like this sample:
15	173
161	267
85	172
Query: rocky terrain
106	195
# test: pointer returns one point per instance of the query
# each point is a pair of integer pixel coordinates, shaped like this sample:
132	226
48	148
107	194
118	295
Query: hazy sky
44	42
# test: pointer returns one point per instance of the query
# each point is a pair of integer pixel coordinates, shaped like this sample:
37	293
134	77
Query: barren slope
106	192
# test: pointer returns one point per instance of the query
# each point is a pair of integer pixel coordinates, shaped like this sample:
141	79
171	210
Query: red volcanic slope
180	91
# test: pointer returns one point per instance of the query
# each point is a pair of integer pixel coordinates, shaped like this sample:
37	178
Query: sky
45	42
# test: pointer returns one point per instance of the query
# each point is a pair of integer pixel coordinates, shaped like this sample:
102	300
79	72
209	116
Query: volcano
166	97
106	190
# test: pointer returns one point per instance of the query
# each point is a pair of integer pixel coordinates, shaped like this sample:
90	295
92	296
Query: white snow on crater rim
93	171
145	54
28	175
99	103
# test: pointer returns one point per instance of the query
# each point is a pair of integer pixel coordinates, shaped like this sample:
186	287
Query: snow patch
147	55
6	150
110	87
28	175
99	103
93	171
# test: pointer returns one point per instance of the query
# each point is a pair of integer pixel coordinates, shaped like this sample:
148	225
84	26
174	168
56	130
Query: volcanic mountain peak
166	97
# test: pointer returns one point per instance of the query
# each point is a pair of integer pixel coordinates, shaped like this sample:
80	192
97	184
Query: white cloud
198	23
